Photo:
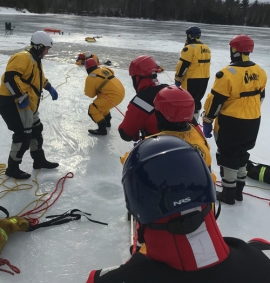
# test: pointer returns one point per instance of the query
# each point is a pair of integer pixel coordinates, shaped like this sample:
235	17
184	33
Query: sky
67	253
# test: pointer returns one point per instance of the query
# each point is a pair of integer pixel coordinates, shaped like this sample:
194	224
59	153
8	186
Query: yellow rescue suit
108	90
29	78
235	104
194	62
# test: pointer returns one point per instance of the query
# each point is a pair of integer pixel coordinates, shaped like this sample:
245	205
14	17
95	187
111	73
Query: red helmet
242	43
90	63
143	66
81	57
175	104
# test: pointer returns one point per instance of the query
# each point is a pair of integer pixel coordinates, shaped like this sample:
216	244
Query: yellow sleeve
177	69
208	103
90	87
18	64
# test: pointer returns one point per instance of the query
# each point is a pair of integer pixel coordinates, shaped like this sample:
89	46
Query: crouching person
168	189
108	92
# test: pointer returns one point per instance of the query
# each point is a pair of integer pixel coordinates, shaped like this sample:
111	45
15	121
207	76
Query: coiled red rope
40	208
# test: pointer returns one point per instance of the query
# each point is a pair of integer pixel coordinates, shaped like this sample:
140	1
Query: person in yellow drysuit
235	104
108	92
20	92
193	68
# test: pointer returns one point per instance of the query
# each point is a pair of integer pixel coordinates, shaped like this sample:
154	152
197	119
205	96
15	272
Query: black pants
197	88
234	138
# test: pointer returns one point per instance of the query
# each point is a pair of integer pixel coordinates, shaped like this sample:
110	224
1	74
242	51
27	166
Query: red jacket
140	115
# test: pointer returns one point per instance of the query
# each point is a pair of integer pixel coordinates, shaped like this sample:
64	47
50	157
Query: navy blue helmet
193	32
164	175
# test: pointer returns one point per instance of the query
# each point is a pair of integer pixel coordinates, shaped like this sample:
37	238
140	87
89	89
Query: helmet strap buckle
184	224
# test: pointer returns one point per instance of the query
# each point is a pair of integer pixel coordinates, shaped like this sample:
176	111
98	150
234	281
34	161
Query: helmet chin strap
164	125
237	56
184	224
192	39
138	79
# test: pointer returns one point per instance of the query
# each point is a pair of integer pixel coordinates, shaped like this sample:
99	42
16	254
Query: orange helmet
175	104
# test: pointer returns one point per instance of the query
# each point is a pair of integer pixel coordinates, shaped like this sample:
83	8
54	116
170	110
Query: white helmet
88	54
41	37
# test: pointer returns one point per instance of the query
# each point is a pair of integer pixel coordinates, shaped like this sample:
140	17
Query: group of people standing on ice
167	180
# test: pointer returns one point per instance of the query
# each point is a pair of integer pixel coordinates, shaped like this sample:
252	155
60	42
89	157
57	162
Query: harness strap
28	81
106	80
74	214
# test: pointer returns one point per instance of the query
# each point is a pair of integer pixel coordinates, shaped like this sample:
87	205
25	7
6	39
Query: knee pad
37	130
242	174
20	143
229	176
37	138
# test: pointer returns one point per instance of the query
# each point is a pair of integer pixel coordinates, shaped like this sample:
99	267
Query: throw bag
259	172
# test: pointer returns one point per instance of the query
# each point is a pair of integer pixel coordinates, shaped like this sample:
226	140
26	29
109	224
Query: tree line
224	12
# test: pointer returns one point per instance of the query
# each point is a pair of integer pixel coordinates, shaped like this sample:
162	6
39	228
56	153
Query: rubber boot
239	190
40	161
101	131
227	195
108	119
14	171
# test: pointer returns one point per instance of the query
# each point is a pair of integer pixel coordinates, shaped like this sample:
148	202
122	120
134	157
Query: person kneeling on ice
82	57
168	189
140	114
174	109
108	92
20	92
